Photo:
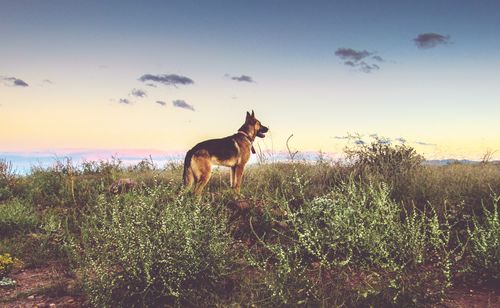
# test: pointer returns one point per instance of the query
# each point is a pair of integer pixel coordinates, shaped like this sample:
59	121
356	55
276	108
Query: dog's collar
246	136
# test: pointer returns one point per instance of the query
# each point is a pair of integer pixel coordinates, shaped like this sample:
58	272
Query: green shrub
16	217
383	161
49	187
46	240
484	244
154	248
355	230
6	180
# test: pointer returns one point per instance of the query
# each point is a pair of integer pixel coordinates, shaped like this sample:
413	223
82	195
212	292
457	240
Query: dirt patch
48	286
462	297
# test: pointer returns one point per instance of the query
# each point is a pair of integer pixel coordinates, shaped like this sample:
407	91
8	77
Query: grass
16	217
383	230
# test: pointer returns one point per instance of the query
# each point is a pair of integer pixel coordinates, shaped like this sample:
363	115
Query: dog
232	151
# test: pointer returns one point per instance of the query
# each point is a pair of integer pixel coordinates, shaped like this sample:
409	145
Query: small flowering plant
7	264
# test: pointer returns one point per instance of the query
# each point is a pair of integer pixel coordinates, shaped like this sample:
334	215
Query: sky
160	76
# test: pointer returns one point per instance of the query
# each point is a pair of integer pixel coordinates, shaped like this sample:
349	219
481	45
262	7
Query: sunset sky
163	75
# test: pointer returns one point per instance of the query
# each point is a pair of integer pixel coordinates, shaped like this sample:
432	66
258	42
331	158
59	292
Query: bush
358	231
49	187
43	241
484	244
154	248
386	162
15	217
6	180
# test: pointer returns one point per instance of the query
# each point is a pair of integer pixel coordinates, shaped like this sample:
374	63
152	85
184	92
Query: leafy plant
154	247
7	264
355	227
16	216
484	243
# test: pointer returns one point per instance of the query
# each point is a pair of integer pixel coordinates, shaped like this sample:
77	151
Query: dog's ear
248	116
253	114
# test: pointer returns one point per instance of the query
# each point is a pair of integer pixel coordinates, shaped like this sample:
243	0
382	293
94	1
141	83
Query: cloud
351	54
47	81
152	85
401	140
367	68
124	101
182	104
13	81
425	143
138	93
242	78
359	59
162	103
169	80
430	40
341	137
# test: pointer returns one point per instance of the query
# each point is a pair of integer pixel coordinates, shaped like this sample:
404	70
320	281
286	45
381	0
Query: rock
122	186
31	297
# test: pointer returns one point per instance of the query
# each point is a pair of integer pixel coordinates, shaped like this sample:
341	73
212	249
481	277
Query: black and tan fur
232	151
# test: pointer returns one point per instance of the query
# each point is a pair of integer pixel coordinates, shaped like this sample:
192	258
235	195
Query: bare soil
461	297
48	286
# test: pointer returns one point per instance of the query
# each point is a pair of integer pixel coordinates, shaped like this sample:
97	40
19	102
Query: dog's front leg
238	177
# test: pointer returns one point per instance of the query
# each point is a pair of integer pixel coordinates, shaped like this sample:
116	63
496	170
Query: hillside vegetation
381	229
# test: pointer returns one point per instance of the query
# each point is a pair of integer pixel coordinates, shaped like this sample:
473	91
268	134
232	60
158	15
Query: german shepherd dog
232	151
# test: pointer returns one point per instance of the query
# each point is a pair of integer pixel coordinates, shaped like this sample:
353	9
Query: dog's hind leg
188	179
232	179
202	171
202	182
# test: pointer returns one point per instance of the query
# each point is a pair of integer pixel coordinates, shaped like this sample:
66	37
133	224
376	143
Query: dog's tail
188	176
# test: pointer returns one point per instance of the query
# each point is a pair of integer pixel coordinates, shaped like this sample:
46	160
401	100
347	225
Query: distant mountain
449	161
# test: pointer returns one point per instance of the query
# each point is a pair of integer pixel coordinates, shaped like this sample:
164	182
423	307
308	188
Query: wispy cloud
182	104
401	140
351	54
167	79
124	101
359	59
341	137
368	68
138	93
162	103
15	82
430	40
47	81
425	143
242	78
